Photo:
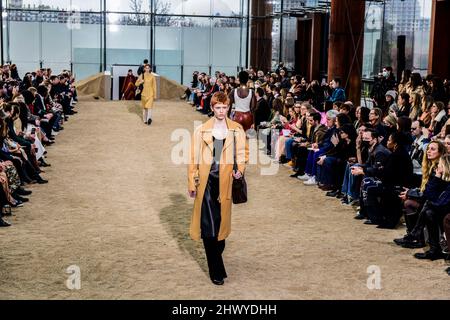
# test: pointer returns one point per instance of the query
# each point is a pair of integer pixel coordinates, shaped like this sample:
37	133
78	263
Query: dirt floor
117	207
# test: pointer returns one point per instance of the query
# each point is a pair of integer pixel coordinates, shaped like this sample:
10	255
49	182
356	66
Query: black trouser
214	250
300	154
447	228
434	220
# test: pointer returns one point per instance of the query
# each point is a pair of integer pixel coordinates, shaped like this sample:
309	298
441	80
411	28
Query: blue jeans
311	163
351	184
288	148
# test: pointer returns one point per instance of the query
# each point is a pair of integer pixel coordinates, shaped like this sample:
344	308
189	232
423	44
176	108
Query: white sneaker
310	182
304	177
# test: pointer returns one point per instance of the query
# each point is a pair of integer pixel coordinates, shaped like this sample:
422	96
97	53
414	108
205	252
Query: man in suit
262	112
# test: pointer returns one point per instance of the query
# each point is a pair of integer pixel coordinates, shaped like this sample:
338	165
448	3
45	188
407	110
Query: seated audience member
331	166
414	199
313	138
426	104
416	107
362	116
403	105
371	170
435	209
338	94
397	174
390	106
270	130
390	124
289	129
297	129
376	123
418	147
438	118
351	186
318	150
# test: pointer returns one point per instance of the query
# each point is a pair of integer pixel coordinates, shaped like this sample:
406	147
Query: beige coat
149	89
201	158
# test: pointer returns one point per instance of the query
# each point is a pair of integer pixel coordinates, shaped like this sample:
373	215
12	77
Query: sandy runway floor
116	207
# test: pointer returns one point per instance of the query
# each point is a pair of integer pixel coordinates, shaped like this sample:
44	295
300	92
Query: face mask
385	74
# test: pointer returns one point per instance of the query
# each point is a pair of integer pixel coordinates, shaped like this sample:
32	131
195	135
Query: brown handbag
239	187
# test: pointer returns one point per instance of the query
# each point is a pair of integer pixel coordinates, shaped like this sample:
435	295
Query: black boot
21	191
19	198
3	223
411	220
430	255
406	238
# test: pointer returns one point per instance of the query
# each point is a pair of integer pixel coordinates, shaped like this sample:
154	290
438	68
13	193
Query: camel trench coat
149	90
201	157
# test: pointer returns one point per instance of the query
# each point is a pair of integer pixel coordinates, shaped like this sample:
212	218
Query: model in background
148	93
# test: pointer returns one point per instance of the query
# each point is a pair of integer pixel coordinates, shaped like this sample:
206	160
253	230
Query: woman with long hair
426	104
362	116
416	108
438	117
436	208
406	75
414	199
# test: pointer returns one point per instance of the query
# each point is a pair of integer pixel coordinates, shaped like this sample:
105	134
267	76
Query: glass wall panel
226	8
412	20
83	5
201	8
64	34
133	6
197	42
168	49
226	43
126	42
55	42
288	45
87	52
24	51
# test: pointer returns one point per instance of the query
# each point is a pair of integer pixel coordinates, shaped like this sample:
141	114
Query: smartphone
33	130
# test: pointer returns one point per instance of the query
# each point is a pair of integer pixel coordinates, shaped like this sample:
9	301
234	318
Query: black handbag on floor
239	187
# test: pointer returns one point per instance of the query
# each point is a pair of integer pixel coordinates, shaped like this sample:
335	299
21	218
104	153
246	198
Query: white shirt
242	104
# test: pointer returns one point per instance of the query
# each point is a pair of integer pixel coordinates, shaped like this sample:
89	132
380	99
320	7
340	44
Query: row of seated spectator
32	112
